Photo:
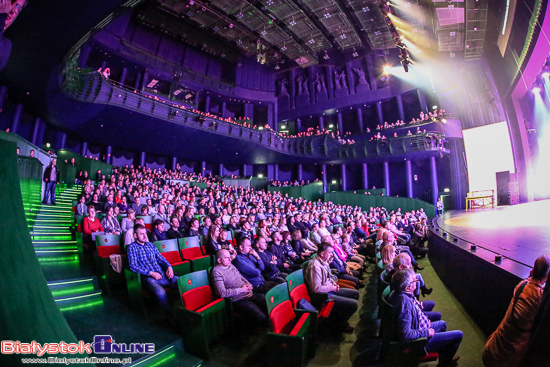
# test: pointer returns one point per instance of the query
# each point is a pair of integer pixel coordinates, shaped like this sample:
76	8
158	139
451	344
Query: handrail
88	85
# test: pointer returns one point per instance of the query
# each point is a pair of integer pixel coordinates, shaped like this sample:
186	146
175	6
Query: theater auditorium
274	183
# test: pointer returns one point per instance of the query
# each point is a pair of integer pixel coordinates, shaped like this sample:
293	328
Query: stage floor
520	232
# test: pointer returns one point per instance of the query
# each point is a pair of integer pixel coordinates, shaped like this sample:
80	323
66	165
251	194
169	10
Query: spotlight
283	48
545	74
292	22
326	57
240	15
355	54
536	90
387	69
277	67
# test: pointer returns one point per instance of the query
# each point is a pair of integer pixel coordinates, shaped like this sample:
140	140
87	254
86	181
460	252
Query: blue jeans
157	288
445	342
253	308
427	307
345	305
50	189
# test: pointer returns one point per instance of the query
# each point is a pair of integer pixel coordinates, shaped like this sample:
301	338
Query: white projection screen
488	151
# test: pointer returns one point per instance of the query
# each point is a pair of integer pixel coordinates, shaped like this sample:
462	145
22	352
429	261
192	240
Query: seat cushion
325	311
283	318
197	297
206	307
298	327
106	251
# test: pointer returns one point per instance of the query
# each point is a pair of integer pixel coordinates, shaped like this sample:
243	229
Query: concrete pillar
61	140
380	113
222	172
174	163
85	51
137	84
422	100
341	124
203	168
387	178
365	176
370	68
435	188
330	85
344	179
324	173
16	118
207	104
84	148
275	118
142	159
123	75
400	108
3	93
321	123
276	171
360	124
248	109
298	126
223	111
35	130
408	165
300	172
144	80
109	154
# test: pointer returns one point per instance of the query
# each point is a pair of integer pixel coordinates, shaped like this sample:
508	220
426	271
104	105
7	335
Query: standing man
51	178
156	272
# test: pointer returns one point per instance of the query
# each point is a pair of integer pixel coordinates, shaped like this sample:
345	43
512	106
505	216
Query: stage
484	286
520	233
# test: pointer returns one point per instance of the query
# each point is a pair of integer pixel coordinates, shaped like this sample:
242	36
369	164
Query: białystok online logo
102	344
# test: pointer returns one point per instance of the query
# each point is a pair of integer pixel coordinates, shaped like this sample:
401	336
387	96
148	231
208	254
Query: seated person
124	206
174	231
203	230
161	214
388	238
129	236
271	271
159	234
251	266
90	225
110	202
508	344
229	283
388	254
233	224
298	246
81	207
212	240
352	253
412	323
128	221
156	272
319	279
346	279
284	262
110	222
193	229
403	261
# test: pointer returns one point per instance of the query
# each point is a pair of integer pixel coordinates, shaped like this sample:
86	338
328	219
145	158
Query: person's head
82	199
91	211
175	223
214	231
388	237
276	236
223	234
245	246
402	261
328	239
388	254
110	211
54	162
131	214
260	244
161	209
297	235
403	280
541	267
140	233
159	225
195	224
32	153
207	222
223	258
234	220
144	210
325	251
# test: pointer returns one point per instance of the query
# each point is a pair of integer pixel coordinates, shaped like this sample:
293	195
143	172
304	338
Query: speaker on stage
514	192
503	188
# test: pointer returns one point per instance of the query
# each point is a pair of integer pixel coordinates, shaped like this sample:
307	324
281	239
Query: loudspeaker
503	189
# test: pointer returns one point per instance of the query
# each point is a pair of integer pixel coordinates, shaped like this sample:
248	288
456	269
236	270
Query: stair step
172	355
53	257
49	237
55	245
44	230
73	287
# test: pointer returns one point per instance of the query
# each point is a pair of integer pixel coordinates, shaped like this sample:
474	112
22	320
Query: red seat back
106	251
282	317
191	253
172	256
297	294
196	298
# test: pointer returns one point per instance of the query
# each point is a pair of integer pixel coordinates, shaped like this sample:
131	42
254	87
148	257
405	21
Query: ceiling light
264	32
240	15
366	9
311	41
277	67
292	22
355	54
326	57
343	36
327	14
239	41
283	48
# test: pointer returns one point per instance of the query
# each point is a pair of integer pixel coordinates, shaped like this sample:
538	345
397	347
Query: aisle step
172	355
76	293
